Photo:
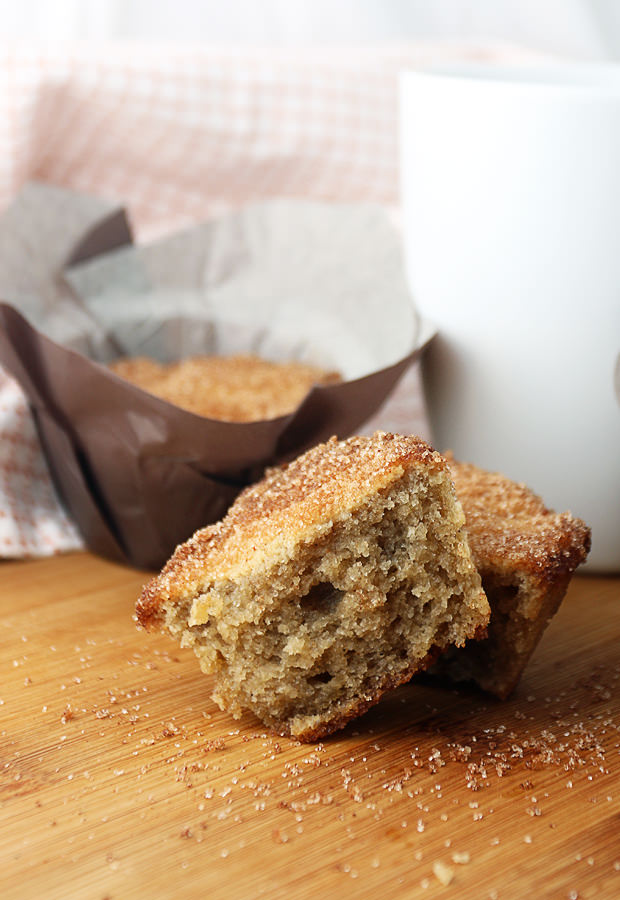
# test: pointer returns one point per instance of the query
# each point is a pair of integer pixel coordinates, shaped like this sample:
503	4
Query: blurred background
184	110
589	29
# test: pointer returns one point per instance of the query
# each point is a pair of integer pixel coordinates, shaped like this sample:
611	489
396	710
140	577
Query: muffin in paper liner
286	281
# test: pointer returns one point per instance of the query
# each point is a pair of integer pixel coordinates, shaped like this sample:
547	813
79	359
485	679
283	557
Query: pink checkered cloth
178	135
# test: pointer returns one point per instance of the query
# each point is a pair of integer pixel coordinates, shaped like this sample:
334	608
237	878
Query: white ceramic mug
511	217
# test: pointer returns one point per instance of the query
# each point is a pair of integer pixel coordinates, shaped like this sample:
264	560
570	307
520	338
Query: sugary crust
241	388
510	528
292	503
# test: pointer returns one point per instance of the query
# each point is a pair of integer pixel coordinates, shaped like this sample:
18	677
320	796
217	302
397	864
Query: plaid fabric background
178	135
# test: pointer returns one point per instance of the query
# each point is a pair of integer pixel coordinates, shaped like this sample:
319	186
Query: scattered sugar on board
484	757
344	783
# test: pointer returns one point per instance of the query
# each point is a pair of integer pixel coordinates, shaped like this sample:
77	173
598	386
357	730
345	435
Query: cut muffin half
334	579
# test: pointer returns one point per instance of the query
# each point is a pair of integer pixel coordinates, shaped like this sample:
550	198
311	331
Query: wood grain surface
121	779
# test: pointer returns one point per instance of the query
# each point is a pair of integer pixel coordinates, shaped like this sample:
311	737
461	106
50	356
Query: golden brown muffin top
509	527
241	388
292	503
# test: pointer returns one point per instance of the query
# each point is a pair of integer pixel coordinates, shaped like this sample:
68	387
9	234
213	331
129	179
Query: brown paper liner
140	475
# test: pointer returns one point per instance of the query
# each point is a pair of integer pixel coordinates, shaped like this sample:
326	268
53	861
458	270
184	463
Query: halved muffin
334	579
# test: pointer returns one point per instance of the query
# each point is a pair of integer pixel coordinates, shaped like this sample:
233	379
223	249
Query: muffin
526	555
230	388
334	579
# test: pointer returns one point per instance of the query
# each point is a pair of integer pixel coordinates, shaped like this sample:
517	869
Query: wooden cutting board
121	779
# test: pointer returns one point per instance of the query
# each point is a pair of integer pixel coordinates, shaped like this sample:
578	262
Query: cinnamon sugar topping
229	388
